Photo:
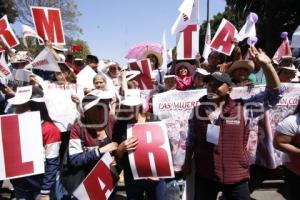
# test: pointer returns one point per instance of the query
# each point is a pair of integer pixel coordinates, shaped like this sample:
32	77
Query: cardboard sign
85	77
188	43
48	24
61	108
7	34
152	157
101	181
224	37
296	38
45	61
144	79
21	145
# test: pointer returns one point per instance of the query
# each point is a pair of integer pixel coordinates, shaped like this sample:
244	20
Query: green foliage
33	46
8	7
68	8
274	17
85	50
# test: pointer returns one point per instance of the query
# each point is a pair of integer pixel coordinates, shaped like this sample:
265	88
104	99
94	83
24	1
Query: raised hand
259	56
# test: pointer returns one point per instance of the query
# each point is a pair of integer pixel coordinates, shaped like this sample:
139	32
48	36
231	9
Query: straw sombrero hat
156	54
242	64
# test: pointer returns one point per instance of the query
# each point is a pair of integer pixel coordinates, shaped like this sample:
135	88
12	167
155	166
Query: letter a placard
101	181
21	145
152	156
48	24
223	39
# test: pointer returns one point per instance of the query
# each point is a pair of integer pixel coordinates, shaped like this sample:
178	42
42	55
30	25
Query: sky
111	27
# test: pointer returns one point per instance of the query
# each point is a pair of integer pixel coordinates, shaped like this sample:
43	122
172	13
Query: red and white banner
4	70
21	145
45	61
101	181
283	50
152	157
48	24
224	37
188	42
7	34
188	14
144	79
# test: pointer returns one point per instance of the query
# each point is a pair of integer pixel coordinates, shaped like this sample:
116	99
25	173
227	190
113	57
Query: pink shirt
184	84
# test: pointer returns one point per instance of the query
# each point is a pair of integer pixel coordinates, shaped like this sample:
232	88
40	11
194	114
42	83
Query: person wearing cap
40	186
131	112
90	138
218	133
287	140
198	78
240	71
184	75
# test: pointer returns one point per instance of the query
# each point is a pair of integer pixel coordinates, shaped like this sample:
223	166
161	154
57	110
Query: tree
85	50
8	8
68	10
275	16
33	47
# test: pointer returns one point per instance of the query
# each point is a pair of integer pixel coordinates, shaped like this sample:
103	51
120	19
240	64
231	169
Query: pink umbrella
137	51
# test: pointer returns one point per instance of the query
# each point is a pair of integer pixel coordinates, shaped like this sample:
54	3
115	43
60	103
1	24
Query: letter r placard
152	156
48	24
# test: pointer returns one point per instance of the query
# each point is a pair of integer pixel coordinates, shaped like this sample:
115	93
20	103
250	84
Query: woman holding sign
131	112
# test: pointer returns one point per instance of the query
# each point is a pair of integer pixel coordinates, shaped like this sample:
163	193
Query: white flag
164	53
207	48
44	61
188	14
4	70
248	30
296	38
27	31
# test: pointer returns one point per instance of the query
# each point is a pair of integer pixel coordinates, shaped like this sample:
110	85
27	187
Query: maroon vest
227	162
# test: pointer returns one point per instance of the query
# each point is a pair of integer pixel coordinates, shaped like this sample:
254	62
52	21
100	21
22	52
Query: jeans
206	189
153	190
292	182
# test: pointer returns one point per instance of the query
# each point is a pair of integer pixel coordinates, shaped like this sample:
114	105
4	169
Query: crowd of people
217	144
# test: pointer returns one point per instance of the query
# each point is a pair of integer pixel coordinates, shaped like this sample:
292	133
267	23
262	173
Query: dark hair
40	106
92	59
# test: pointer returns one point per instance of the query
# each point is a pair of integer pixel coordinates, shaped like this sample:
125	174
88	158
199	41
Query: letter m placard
48	24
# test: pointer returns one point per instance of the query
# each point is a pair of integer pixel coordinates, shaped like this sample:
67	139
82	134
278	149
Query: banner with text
174	108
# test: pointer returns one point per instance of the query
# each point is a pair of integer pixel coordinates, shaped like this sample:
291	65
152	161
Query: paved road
259	194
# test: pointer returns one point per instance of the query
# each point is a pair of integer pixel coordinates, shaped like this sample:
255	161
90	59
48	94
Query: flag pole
207	11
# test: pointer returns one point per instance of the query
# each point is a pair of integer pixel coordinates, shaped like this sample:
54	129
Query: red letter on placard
95	190
12	148
48	26
144	78
188	40
224	38
141	154
6	33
